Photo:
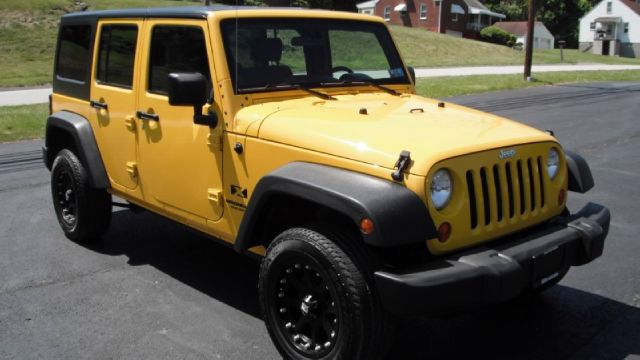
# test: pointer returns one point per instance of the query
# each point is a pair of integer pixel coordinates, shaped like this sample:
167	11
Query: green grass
27	121
28	31
22	122
440	87
421	48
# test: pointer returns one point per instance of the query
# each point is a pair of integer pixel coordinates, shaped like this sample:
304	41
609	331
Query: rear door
113	99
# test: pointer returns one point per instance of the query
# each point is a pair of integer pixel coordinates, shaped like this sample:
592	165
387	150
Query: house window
423	11
592	26
609	7
387	13
626	28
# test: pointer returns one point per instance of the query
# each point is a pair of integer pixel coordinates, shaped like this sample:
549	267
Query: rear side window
74	52
116	55
176	49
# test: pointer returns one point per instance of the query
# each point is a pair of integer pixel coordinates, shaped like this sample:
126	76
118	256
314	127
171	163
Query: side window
74	52
176	49
387	13
116	55
423	11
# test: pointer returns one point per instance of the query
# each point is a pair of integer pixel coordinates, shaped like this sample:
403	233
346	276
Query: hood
375	127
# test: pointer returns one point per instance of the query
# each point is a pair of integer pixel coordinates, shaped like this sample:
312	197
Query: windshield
269	53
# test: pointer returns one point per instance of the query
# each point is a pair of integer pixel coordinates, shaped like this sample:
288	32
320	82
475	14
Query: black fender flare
79	130
580	178
400	217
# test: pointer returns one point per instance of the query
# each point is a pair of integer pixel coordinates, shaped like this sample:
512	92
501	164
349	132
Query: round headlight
553	163
441	188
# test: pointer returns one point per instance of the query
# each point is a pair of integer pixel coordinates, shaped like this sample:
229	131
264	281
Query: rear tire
316	299
84	213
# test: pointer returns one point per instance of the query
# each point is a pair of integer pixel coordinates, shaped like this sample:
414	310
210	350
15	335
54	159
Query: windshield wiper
285	86
364	82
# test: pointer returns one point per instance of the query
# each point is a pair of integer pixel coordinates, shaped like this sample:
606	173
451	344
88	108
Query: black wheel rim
306	309
65	199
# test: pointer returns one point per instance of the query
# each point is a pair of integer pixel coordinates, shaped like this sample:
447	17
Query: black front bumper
499	272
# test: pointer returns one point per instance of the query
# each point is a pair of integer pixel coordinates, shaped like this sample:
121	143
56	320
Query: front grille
505	191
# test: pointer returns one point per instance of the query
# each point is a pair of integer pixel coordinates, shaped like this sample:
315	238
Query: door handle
98	105
146	116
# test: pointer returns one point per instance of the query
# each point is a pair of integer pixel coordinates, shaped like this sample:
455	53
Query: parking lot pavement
155	290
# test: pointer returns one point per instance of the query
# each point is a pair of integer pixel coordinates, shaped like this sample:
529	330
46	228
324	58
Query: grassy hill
28	32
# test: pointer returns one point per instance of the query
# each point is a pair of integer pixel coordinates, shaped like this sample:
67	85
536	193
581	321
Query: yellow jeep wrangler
295	135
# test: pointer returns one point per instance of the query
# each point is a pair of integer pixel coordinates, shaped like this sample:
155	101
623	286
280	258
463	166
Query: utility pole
529	46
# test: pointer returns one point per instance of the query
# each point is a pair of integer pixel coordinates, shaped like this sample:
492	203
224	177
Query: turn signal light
366	226
561	197
444	231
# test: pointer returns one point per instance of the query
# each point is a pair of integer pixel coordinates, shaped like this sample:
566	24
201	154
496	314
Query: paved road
41	95
154	290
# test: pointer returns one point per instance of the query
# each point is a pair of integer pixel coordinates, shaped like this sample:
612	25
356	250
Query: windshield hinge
401	165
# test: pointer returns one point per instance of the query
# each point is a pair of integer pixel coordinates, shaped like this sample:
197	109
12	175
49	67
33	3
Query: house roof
518	28
632	5
476	7
367	4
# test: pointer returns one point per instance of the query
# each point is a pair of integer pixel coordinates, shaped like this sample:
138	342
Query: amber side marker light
561	197
444	231
366	226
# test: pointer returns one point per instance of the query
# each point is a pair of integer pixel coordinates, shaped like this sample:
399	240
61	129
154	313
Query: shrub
494	34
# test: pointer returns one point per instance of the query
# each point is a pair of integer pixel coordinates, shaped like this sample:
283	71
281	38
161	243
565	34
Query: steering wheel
340	68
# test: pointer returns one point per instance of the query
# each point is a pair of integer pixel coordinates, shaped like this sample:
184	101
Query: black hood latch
401	165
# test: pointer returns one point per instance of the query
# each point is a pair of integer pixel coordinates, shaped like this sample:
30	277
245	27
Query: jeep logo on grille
506	154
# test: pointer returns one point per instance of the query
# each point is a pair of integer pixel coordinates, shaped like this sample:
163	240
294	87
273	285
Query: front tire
316	301
84	213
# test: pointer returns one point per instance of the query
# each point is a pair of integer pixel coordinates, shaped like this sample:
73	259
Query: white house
612	27
542	37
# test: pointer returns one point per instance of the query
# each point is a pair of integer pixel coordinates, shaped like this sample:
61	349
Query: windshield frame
381	32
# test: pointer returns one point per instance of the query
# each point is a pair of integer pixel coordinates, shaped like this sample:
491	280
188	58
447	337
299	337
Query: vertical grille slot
497	180
502	193
541	177
532	187
521	187
472	200
485	196
510	190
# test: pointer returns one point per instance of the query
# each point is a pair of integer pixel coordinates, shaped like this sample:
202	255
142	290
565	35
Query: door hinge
130	123
215	196
215	141
132	168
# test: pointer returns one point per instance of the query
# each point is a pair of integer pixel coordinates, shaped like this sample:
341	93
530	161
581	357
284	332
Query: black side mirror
191	89
412	74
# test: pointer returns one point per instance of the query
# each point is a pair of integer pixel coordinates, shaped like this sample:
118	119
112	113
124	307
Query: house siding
626	44
412	16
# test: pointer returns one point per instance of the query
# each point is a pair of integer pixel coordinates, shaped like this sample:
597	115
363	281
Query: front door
180	162
113	98
605	47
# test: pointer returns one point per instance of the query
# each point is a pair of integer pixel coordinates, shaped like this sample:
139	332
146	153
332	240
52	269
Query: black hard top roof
191	12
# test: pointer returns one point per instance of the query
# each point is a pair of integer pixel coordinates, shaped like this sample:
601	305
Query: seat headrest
266	50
